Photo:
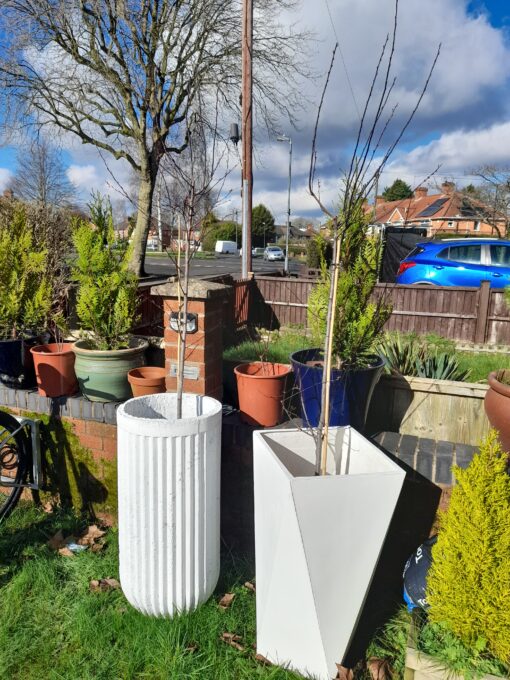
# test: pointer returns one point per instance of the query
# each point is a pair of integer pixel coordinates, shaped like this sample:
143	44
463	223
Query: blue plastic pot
351	390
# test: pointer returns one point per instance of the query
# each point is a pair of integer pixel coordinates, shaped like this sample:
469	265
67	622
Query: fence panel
242	290
498	319
286	297
149	312
449	312
464	314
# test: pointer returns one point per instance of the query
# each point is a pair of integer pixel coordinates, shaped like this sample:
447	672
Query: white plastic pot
317	542
169	501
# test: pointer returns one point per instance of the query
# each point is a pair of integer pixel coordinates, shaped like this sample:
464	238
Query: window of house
450	224
470	254
500	255
477	226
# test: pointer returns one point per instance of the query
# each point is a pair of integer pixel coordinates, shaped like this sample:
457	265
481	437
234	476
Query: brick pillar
204	349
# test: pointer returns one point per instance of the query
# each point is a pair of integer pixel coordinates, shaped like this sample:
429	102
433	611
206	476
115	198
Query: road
221	264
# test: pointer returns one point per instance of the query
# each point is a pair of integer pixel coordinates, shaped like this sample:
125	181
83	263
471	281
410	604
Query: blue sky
463	123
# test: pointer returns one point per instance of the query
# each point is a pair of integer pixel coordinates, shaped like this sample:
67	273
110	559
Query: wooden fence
478	315
474	315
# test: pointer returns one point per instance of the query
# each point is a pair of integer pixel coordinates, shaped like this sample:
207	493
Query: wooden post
482	312
247	133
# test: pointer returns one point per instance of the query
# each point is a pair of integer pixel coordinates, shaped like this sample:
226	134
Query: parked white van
226	247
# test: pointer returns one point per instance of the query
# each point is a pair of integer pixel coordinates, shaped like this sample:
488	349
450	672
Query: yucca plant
469	580
442	366
25	288
413	356
400	354
106	298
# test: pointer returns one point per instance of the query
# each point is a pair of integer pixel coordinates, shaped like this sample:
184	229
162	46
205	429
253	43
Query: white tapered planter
169	501
317	542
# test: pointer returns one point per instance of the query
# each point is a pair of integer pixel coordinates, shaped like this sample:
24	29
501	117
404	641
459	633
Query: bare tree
489	201
123	75
191	186
354	323
40	176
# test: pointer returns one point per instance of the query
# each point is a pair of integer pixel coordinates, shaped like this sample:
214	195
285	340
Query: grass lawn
480	364
53	627
281	345
278	349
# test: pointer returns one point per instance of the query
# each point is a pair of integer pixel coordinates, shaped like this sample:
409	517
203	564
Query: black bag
415	575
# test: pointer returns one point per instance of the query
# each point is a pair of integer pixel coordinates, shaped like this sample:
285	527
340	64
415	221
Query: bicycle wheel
14	459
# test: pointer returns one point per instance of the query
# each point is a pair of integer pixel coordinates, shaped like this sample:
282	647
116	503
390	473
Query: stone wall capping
198	289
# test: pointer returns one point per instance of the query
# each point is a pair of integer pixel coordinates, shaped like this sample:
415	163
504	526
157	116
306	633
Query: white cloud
458	153
83	176
5	177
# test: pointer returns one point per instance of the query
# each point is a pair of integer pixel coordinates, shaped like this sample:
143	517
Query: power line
343	60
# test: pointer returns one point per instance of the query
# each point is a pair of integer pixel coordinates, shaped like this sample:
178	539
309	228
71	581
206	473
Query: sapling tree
354	318
191	185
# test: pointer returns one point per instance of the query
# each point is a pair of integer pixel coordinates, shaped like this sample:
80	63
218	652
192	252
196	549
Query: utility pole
247	133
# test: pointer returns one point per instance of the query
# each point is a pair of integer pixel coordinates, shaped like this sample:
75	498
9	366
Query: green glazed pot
102	374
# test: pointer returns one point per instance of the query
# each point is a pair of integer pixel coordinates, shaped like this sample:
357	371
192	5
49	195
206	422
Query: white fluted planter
317	542
169	501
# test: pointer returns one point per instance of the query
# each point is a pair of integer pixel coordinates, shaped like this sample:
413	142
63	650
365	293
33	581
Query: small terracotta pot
261	388
497	406
54	369
147	380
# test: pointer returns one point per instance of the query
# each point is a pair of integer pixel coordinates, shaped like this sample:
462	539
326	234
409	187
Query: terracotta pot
54	369
147	380
497	406
261	388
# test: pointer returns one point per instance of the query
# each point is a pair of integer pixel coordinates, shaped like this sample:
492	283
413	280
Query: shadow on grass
25	534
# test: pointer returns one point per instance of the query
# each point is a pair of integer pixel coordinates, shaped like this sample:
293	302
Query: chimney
447	187
9	193
420	192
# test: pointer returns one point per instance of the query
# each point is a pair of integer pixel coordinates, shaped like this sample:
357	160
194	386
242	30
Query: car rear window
470	254
500	255
416	251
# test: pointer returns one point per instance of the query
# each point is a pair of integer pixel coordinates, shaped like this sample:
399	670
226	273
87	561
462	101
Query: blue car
458	262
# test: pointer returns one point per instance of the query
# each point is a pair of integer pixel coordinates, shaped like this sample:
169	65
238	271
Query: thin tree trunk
322	429
143	222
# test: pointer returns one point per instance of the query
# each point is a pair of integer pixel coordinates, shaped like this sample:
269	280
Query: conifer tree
398	191
469	581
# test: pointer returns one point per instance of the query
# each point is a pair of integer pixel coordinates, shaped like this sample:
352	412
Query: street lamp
284	138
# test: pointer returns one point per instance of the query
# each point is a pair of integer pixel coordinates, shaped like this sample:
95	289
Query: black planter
350	395
16	362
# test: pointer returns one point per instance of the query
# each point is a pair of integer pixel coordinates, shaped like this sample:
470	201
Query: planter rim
379	362
48	349
155	376
157	417
241	369
497	385
20	338
136	344
392	467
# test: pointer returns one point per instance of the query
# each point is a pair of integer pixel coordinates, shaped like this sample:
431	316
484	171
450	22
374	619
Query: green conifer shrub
318	252
469	581
107	289
360	316
25	287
